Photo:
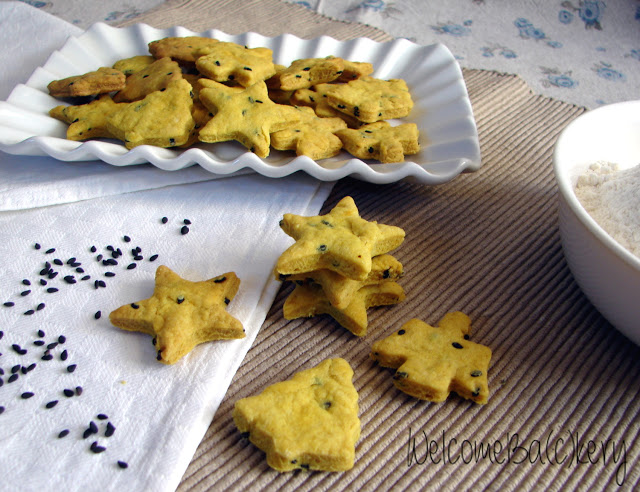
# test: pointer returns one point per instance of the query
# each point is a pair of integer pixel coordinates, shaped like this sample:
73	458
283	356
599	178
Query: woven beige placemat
565	387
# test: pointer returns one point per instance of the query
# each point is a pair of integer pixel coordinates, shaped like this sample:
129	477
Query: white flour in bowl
612	197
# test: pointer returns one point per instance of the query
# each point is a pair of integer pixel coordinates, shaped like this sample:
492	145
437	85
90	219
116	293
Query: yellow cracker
163	118
308	422
381	141
180	49
354	70
370	99
134	64
312	136
308	300
155	77
317	99
248	116
307	72
230	62
341	241
431	362
100	81
340	290
87	120
182	314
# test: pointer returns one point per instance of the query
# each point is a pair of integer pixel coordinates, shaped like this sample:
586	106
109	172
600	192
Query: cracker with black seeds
87	120
340	241
230	62
182	314
133	64
370	99
247	116
313	136
155	77
309	299
307	72
354	70
381	141
181	49
340	290
431	362
100	81
316	98
162	118
308	422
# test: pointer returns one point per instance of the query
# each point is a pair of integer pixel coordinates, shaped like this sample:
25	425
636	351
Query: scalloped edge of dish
442	109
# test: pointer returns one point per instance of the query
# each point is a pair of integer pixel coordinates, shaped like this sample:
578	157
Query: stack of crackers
341	266
196	89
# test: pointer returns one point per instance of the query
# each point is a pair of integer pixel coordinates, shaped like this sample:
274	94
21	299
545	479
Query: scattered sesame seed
70	279
25	293
153	257
109	274
93	427
13	378
51	404
187	221
26	282
109	430
64	355
96	448
86	277
79	270
63	433
184	230
71	368
47	357
9	304
37	246
26	395
15	368
40	306
29	312
123	464
43	281
97	315
99	258
41	333
93	249
50	250
164	220
52	345
62	339
78	390
126	239
102	416
131	266
52	274
51	290
2	410
39	343
58	262
68	392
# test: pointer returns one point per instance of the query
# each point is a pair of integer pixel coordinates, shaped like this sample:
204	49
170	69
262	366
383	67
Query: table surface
563	382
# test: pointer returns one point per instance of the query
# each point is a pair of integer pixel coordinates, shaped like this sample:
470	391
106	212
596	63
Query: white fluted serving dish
442	109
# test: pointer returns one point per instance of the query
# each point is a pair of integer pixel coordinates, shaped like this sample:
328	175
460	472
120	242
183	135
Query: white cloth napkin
160	412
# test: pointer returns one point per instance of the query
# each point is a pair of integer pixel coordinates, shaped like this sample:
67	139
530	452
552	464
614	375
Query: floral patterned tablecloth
586	52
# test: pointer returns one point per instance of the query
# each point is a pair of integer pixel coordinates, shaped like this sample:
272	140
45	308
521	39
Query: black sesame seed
25	293
180	300
43	281
63	433
456	345
62	339
68	392
159	356
97	315
37	246
99	257
52	345
70	279
220	280
466	337
138	257
51	290
80	270
126	239
52	275
29	312
164	220
131	266
109	430
476	374
93	427
109	274
227	300
134	305
41	333
187	222
401	332
13	378
96	448
87	432
26	282
51	404
370	150
26	395
123	464
29	368
15	368
47	357
184	230
38	343
50	250
64	355
9	304
71	368
40	306
78	390
93	249
102	416
153	257
16	348
86	277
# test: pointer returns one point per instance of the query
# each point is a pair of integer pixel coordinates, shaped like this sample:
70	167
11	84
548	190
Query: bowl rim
624	111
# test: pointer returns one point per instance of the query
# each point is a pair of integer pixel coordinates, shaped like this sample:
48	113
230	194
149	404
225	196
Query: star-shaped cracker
341	241
129	66
182	314
100	81
316	98
162	118
87	120
433	361
308	300
340	290
312	136
381	141
308	422
248	116
230	62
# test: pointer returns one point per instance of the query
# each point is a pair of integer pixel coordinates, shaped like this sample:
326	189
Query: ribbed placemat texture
565	386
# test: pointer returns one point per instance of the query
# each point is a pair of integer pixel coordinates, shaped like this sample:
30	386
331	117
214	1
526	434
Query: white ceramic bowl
607	273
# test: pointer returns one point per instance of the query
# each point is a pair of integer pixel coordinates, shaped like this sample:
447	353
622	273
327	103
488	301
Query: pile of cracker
341	266
196	89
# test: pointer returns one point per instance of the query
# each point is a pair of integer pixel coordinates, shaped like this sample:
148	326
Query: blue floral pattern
453	29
